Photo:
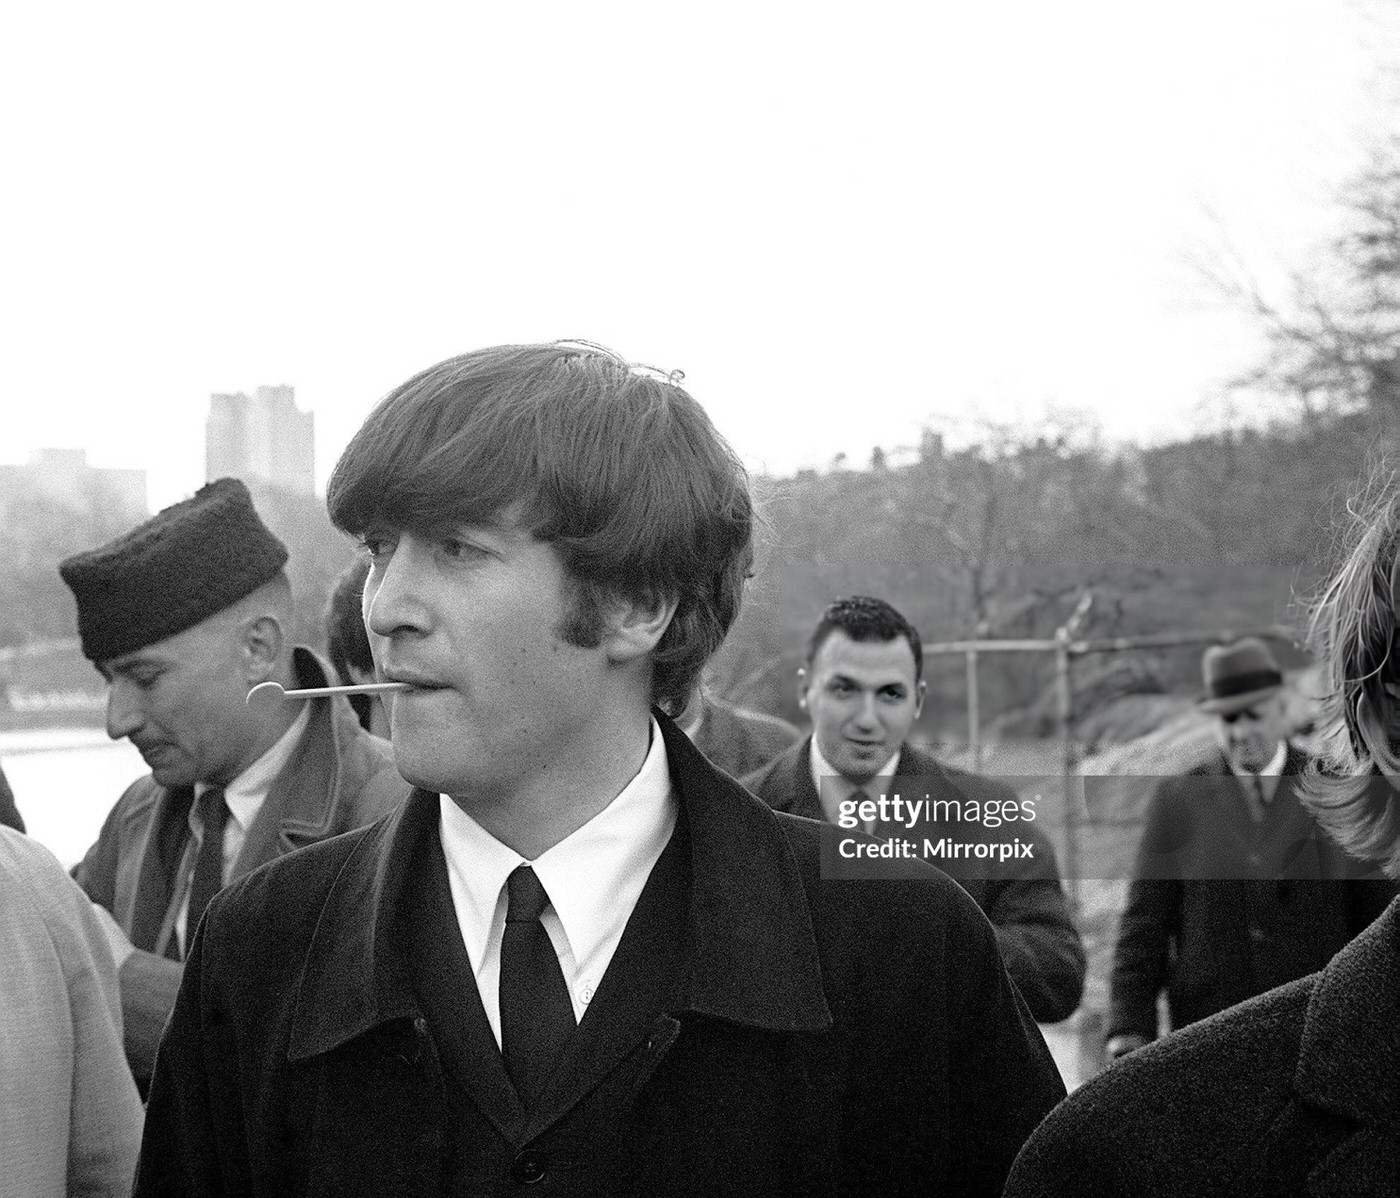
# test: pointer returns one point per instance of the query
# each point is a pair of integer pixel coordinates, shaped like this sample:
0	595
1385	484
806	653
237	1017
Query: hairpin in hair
672	378
592	347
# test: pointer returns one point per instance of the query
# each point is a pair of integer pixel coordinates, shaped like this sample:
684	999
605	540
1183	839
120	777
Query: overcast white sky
842	222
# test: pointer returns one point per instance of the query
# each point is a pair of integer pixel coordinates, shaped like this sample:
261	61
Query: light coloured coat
70	1117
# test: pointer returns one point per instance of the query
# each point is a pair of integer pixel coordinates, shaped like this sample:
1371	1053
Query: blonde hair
1352	629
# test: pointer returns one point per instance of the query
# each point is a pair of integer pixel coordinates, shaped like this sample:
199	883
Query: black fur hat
181	566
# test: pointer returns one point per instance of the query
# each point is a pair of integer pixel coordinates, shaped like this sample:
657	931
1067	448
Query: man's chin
171	777
423	770
860	771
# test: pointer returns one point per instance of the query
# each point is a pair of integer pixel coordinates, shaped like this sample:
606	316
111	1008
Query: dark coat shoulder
1298	1089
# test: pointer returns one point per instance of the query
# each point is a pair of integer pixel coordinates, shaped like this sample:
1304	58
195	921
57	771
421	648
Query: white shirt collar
593	877
1269	775
834	788
1273	769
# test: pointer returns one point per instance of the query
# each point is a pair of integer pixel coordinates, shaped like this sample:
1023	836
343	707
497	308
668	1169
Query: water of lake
65	782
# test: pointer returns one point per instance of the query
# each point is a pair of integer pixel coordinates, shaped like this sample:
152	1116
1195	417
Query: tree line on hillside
1000	541
997	540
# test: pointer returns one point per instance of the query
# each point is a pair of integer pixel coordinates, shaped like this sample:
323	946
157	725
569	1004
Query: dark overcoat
1026	904
1294	1092
1223	907
737	740
759	1032
339	777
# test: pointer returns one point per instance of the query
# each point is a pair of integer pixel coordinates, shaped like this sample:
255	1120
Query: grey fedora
1238	676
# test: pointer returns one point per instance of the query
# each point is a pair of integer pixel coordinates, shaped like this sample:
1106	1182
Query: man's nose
394	598
866	715
124	713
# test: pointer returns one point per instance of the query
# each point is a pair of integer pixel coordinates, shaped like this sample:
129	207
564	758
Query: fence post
1064	694
974	715
1064	712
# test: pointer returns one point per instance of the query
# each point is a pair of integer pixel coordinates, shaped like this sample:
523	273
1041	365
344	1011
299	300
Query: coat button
1256	934
528	1168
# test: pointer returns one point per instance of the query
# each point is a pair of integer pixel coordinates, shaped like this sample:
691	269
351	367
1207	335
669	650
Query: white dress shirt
834	788
245	796
593	877
1268	777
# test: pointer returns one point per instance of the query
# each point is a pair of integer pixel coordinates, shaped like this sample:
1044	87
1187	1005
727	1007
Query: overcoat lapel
1348	1076
442	975
302	804
639	984
165	834
794	778
1366	1162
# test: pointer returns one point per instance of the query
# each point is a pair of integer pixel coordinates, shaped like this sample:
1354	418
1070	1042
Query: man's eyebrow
454	527
131	664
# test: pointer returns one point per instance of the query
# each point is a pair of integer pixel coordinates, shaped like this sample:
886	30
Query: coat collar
1349	1061
304	804
787	784
304	801
751	954
307	798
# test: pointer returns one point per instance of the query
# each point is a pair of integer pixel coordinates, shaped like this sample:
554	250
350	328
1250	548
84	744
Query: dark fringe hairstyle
1352	630
864	618
614	465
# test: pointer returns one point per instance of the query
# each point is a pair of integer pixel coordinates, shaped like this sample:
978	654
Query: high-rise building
64	475
263	438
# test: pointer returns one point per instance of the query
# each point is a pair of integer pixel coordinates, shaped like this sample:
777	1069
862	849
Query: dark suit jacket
737	740
339	777
768	1033
1294	1092
1222	908
1038	939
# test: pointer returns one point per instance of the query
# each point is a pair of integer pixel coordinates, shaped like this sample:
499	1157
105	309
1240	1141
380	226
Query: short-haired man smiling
578	955
863	686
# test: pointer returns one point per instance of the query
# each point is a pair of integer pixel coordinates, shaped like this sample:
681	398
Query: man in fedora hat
1235	889
182	616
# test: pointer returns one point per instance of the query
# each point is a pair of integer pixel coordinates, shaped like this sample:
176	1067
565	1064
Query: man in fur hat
182	616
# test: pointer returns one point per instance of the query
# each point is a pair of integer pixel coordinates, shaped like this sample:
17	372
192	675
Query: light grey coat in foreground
70	1118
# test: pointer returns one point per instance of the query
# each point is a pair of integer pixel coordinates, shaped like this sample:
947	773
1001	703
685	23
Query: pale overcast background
841	222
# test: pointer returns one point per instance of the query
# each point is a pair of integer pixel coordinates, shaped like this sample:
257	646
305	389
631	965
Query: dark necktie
209	865
1254	789
858	796
536	1014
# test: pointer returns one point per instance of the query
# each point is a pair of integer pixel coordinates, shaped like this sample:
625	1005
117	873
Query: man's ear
633	626
919	692
802	687
260	647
